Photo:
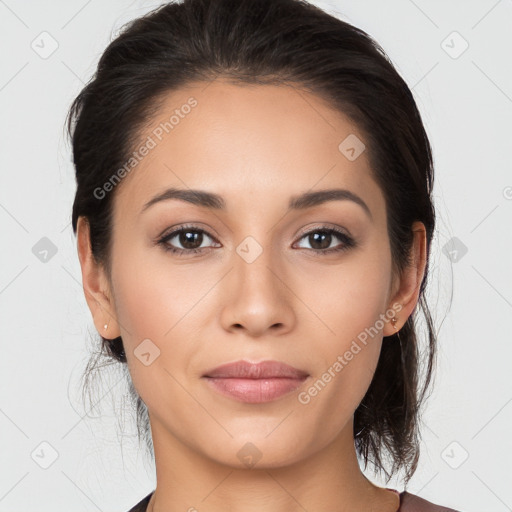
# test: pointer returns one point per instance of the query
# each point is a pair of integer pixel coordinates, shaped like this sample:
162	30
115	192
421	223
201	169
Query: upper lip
262	370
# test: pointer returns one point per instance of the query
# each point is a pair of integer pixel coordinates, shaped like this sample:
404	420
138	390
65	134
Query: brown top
408	503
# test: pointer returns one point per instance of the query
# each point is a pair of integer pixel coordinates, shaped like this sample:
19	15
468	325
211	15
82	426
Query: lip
255	382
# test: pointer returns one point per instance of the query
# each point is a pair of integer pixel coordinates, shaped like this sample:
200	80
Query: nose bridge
255	267
256	298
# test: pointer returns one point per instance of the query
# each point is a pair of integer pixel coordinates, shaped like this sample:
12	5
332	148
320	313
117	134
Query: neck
327	480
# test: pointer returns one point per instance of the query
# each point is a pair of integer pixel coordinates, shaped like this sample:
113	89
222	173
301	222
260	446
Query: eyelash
347	241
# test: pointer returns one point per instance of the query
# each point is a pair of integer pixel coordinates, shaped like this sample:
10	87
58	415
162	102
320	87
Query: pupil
326	237
187	239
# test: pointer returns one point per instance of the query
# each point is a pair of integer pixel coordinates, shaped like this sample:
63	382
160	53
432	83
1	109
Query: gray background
91	456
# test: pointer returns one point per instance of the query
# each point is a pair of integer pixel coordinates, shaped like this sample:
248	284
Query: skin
256	146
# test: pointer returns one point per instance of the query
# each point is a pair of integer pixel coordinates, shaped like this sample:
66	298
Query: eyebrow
216	202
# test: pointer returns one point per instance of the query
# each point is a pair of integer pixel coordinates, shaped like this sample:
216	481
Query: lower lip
254	391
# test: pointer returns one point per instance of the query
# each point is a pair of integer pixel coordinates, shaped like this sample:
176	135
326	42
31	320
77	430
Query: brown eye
321	239
190	239
185	240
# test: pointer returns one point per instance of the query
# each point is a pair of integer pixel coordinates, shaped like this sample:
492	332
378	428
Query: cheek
350	300
154	297
158	308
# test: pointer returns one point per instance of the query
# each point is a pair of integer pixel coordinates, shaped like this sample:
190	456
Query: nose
257	298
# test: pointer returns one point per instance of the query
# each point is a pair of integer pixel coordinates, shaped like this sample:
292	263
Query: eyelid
319	226
304	231
191	226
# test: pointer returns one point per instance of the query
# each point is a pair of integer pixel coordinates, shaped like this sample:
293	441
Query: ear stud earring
393	321
105	327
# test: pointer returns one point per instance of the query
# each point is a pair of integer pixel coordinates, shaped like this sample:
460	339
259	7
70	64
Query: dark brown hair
273	42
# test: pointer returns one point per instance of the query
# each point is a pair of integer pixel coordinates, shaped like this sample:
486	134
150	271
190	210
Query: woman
254	220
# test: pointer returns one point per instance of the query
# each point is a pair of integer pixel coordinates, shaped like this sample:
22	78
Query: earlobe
95	284
410	281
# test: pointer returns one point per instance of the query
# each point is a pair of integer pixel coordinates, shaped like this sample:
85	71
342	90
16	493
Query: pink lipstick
255	382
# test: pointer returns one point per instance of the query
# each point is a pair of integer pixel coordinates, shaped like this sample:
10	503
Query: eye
321	239
190	238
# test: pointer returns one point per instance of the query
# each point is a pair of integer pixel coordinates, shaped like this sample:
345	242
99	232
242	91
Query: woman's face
266	282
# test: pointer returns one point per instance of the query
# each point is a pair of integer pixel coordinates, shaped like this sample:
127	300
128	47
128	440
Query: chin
258	452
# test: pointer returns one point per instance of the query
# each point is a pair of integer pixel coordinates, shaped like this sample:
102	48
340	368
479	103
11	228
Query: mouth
255	382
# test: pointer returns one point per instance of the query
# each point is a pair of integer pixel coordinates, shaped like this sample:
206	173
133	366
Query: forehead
246	141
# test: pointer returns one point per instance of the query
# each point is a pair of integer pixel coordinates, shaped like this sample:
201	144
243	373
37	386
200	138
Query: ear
96	285
409	282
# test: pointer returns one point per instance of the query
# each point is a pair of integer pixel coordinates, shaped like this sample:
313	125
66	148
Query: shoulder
142	505
412	503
